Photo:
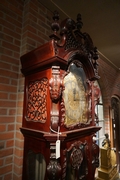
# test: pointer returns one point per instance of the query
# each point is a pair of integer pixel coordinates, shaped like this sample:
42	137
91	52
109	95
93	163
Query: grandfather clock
59	120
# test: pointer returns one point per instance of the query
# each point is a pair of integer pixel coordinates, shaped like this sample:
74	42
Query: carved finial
95	55
55	25
79	23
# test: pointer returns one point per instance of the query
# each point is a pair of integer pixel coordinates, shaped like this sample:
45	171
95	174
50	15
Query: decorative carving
62	105
37	101
76	158
54	168
56	87
64	165
55	26
76	161
71	38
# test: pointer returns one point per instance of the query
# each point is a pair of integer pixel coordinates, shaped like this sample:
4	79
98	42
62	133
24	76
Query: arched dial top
74	95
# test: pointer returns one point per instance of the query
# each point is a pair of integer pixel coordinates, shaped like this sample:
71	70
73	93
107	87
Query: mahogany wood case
59	104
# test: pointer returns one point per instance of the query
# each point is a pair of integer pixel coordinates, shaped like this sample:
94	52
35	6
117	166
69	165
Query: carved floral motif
37	102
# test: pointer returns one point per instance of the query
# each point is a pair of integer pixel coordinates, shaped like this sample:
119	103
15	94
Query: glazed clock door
75	98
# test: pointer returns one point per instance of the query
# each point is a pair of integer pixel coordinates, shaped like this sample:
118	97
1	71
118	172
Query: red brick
12	33
18	161
8	176
18	30
18	126
9	143
17	42
11	60
3	111
9	88
12	96
4	80
6	119
19	135
16	55
19	144
7	135
7	104
8	160
4	4
18	170
2	128
15	177
2	145
7	24
12	111
4	65
14	82
20	96
20	104
6	152
18	152
7	51
20	111
14	9
13	21
19	119
10	46
11	127
5	169
8	73
1	14
7	10
1	162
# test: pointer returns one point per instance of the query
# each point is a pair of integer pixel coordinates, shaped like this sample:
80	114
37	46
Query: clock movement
59	120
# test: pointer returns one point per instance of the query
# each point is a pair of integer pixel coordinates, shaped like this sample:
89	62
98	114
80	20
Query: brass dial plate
75	100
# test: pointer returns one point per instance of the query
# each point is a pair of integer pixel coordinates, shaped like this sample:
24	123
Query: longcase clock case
59	120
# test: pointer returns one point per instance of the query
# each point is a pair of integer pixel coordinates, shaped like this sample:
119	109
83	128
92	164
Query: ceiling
101	20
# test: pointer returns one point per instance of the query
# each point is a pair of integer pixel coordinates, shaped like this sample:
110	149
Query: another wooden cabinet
59	106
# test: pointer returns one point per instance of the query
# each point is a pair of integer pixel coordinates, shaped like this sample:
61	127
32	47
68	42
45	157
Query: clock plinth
59	107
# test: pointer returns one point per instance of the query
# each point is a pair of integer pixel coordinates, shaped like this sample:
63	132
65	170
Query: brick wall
110	85
24	26
10	40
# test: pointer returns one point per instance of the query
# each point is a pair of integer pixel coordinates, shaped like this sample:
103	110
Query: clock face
74	97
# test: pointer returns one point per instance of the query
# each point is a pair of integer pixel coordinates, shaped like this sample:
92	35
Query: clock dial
75	98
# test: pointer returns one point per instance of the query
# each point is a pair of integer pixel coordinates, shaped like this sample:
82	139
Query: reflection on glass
36	166
74	96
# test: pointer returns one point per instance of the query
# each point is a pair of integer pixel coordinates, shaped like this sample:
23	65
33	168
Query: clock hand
74	92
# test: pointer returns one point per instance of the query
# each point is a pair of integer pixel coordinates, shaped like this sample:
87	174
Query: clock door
75	97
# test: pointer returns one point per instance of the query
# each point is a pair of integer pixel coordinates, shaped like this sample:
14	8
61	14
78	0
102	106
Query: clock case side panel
40	85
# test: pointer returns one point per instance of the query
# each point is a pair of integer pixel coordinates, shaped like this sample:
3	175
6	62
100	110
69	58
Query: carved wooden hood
67	44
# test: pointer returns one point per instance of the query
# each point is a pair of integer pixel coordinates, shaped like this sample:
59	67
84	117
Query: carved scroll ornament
56	87
37	101
68	36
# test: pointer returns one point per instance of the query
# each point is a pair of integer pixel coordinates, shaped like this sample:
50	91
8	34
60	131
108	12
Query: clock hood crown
73	44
